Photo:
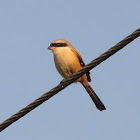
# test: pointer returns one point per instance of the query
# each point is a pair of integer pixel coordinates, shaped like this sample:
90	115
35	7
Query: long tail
94	97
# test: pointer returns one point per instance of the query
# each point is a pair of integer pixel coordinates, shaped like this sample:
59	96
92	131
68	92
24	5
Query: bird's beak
49	48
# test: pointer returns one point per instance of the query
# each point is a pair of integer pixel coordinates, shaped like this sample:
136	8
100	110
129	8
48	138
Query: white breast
64	61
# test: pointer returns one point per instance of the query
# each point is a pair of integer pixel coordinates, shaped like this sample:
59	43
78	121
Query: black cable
70	80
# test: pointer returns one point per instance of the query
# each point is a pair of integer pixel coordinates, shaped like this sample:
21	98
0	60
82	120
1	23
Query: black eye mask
58	44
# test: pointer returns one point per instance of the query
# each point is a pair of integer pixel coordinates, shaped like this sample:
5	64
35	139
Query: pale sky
27	69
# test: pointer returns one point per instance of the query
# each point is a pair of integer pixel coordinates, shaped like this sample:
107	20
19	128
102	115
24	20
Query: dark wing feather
82	63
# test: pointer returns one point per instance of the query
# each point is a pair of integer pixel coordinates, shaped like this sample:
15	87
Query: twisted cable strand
70	80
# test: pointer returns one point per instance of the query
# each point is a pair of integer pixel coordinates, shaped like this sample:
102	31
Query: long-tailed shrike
68	61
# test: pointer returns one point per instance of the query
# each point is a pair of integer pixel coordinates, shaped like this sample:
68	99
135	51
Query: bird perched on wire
68	61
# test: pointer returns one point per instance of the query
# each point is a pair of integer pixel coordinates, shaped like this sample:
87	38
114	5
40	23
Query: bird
68	61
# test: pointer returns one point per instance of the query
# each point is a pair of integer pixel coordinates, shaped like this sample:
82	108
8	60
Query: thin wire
70	80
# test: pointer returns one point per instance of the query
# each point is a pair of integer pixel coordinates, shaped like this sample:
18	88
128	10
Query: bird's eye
58	44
